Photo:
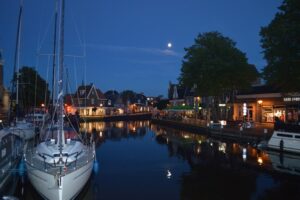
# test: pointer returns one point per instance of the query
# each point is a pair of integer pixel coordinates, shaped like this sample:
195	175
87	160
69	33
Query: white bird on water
169	174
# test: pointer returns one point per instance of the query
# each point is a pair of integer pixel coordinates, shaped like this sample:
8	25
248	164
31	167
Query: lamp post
259	110
196	104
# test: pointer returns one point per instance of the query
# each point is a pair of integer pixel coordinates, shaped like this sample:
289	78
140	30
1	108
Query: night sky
122	44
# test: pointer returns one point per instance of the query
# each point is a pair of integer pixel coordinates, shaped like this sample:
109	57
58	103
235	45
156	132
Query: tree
162	104
214	67
281	43
32	89
112	96
127	96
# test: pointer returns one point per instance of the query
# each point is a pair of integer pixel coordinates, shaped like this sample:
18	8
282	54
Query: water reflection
102	131
139	160
199	148
227	170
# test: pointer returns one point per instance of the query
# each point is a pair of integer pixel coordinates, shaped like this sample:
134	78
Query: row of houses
90	101
260	103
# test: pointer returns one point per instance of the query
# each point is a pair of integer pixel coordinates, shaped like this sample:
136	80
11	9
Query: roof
85	88
181	91
100	94
83	91
261	89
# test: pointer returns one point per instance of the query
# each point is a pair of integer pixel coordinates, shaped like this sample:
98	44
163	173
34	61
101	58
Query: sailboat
61	164
10	154
21	128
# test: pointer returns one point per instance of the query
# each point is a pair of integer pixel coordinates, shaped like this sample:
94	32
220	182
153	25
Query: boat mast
54	56
15	84
60	83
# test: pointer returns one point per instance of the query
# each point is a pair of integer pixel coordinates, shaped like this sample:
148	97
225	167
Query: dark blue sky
123	43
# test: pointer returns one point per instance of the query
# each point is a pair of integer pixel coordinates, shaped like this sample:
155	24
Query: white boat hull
24	130
285	141
70	184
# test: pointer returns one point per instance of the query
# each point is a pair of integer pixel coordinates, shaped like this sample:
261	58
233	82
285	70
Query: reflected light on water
186	136
244	154
198	150
260	160
120	124
222	147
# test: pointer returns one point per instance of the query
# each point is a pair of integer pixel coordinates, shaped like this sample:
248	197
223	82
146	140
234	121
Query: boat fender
281	145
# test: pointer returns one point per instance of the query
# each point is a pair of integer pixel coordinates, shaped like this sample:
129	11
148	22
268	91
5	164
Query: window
93	101
82	92
284	135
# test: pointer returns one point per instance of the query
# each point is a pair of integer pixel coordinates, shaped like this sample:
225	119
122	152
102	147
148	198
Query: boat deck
36	161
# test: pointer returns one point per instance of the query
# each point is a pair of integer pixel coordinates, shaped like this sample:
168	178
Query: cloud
154	62
155	51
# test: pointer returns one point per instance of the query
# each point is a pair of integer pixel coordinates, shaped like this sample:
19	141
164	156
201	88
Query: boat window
297	136
284	135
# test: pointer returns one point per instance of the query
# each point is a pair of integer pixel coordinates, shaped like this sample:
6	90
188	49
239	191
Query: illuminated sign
244	109
291	99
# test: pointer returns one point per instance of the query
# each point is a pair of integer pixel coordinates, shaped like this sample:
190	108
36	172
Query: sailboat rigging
19	127
61	164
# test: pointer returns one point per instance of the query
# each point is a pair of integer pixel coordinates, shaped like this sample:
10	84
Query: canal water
139	160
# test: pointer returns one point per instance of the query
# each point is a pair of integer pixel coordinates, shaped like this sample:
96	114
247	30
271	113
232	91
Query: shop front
260	107
265	107
292	108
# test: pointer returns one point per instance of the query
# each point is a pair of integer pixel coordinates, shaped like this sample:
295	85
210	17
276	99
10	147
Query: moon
169	45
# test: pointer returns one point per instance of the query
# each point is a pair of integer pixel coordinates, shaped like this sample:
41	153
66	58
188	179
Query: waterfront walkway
256	133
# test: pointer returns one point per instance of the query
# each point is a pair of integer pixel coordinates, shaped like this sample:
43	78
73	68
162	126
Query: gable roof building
89	95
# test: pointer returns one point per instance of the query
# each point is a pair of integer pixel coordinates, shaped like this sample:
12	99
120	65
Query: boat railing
67	166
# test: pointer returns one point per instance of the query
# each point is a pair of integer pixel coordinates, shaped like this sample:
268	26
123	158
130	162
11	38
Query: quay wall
251	135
